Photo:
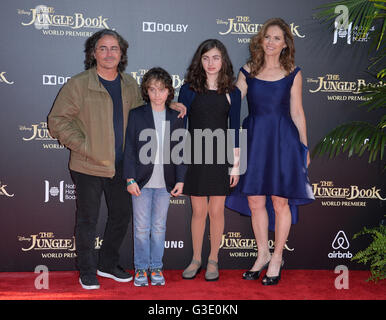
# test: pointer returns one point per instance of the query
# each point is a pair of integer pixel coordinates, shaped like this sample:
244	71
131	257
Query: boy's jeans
150	211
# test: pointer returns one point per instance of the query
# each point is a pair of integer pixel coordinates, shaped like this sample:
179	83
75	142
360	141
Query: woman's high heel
269	281
254	275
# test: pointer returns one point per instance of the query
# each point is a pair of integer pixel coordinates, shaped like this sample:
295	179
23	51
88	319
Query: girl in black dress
211	99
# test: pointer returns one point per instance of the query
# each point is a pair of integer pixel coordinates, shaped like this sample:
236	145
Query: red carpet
294	285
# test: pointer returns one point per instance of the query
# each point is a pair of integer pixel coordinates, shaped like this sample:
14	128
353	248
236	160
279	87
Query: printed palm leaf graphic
358	137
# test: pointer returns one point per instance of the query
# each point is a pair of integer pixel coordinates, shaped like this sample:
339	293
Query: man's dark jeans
89	191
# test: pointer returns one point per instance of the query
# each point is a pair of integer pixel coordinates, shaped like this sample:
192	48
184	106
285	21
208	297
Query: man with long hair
89	117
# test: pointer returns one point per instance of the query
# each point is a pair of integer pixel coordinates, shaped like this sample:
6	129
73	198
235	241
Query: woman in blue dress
275	181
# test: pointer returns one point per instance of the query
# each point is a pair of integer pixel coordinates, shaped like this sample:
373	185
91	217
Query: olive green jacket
82	120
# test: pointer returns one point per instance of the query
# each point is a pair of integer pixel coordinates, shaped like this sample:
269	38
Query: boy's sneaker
140	279
89	282
117	274
157	278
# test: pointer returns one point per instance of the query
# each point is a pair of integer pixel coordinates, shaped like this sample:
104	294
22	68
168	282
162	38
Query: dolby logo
163	27
53	80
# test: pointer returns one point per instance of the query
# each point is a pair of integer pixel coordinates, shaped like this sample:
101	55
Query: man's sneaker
117	274
156	277
140	279
89	282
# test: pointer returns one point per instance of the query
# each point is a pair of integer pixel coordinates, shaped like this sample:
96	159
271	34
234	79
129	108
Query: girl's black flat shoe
269	281
254	275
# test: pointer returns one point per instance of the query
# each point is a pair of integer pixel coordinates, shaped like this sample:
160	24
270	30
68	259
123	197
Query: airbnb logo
340	242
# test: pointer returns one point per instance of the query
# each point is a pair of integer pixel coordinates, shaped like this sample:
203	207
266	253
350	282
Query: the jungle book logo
54	23
180	201
39	132
240	246
4	191
177	80
243	26
52	247
341	89
49	245
349	196
3	78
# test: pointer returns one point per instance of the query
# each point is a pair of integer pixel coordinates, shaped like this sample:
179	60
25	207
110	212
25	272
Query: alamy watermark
341	21
42	280
209	147
341	281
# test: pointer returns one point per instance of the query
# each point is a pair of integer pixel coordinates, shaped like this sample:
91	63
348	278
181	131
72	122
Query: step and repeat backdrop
42	47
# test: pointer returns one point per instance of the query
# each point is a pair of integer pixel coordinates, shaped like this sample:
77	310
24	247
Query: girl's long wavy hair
90	46
196	76
287	56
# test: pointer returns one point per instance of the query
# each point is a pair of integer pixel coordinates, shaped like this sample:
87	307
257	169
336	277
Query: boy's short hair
157	74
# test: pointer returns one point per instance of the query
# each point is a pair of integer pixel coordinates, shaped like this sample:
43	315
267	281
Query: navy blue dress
276	158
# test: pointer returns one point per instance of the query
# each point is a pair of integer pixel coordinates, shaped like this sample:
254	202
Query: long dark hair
91	43
196	76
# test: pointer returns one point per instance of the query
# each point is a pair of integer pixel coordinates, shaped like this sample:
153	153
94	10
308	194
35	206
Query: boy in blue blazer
152	175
